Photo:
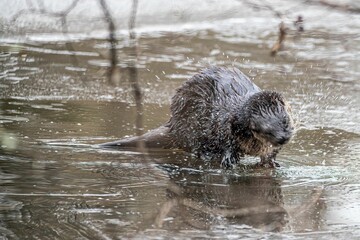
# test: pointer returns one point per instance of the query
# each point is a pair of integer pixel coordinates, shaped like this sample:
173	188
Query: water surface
56	104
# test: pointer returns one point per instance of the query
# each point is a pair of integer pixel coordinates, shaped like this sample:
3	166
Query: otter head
269	118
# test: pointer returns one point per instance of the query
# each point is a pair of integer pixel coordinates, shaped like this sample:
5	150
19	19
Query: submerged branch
280	42
335	6
68	45
112	77
133	75
64	26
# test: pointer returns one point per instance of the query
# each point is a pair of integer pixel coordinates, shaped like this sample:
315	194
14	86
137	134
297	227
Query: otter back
201	110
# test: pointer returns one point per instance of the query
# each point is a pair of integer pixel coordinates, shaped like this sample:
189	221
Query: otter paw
226	164
274	164
229	160
270	164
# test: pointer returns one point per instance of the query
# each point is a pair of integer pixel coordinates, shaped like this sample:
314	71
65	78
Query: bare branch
132	20
70	8
263	6
41	11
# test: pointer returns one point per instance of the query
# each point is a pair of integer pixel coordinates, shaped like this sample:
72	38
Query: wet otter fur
220	114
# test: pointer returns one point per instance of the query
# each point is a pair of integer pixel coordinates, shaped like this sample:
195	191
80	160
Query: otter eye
285	121
269	133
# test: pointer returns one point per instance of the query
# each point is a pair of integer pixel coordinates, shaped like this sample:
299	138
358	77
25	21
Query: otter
219	114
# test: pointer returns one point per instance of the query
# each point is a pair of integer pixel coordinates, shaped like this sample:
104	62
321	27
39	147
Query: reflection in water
206	200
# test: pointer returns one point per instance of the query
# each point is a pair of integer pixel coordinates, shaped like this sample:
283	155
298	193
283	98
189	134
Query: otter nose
282	140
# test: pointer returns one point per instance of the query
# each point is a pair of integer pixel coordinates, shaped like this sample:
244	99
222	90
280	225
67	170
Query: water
56	105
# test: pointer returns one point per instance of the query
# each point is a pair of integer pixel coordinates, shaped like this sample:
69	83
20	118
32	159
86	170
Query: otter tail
157	138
